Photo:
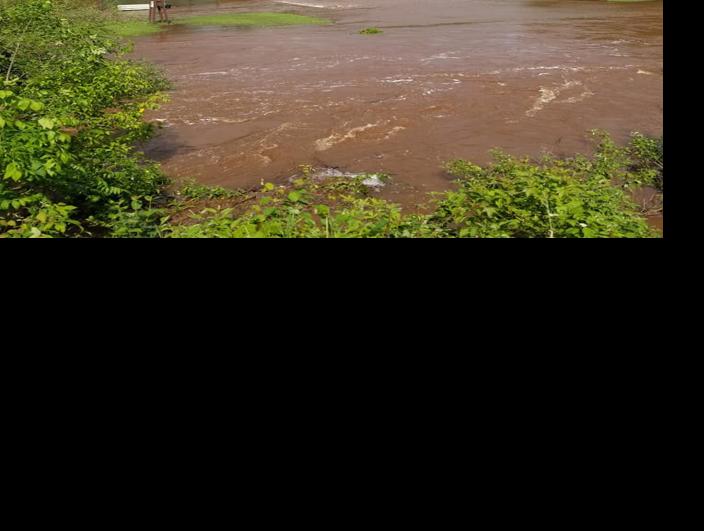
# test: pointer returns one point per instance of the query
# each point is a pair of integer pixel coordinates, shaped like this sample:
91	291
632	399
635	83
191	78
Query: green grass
252	19
138	28
133	28
371	31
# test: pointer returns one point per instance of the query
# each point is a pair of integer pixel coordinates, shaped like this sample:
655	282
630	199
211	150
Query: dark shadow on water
164	145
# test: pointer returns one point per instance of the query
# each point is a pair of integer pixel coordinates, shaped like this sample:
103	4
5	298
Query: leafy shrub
70	113
647	159
572	198
193	190
333	208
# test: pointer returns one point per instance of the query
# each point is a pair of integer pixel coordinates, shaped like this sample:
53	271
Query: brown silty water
447	79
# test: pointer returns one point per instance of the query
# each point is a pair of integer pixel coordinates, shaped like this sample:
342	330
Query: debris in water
372	180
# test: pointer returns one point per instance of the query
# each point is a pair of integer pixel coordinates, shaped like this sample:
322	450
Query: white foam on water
265	159
221	73
440	57
323	144
583	96
402	80
394	131
373	180
548	95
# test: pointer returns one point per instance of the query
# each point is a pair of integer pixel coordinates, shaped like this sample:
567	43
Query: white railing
133	7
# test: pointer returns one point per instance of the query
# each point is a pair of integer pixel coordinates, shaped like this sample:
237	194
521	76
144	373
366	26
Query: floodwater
447	79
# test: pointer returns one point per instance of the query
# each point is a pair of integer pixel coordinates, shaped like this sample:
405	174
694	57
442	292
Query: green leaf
294	196
2	122
322	210
36	106
12	171
46	123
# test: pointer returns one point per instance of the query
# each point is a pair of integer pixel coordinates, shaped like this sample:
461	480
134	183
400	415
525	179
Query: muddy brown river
446	79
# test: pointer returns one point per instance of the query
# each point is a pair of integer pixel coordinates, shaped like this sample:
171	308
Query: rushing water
446	79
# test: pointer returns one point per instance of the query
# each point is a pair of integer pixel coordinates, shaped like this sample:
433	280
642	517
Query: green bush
193	190
573	198
333	208
70	113
647	159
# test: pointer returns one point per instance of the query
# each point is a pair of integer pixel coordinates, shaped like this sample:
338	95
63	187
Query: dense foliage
309	207
70	112
572	198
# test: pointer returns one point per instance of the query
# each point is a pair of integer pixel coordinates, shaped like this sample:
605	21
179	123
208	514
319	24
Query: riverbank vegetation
132	27
579	197
71	113
258	19
132	24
